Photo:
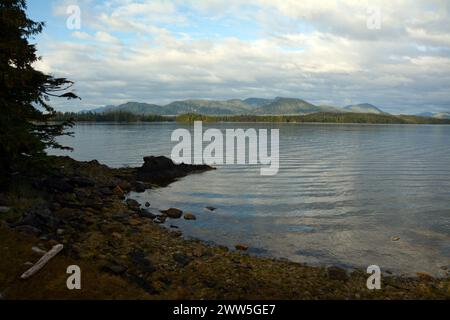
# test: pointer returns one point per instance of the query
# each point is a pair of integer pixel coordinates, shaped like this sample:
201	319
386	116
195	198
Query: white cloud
316	50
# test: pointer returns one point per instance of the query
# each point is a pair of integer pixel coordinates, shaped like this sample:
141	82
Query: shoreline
125	253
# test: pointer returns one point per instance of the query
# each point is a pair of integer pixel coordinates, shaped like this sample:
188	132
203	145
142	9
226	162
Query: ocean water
341	194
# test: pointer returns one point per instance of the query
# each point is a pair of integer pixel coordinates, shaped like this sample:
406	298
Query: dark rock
147	204
41	218
173	213
125	185
182	259
336	273
133	205
147	214
139	187
189	216
30	230
115	268
58	184
140	282
95	204
141	262
122	217
106	192
82	182
160	219
163	170
210	208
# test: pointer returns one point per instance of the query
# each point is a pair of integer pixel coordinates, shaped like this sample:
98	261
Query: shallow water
342	192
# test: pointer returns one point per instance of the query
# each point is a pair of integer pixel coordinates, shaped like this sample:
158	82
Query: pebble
395	238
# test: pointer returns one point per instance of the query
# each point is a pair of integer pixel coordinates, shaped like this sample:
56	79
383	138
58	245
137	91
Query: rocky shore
125	253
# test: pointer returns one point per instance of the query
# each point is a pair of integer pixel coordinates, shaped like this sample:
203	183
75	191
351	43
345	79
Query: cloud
319	51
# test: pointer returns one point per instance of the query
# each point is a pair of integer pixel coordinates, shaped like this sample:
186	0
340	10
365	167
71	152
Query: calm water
342	192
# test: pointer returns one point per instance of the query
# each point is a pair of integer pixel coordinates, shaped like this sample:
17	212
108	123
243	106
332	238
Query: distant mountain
437	115
289	106
363	108
250	106
258	102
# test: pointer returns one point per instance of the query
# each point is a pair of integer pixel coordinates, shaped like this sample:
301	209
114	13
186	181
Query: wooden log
42	261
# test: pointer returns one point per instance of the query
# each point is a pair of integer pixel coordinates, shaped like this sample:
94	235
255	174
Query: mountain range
250	106
437	115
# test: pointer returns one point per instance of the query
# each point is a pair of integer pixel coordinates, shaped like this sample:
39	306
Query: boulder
133	205
189	216
173	213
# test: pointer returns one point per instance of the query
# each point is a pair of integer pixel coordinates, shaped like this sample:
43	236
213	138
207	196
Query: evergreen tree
25	114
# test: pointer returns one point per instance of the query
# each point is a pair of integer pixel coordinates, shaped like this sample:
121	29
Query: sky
394	54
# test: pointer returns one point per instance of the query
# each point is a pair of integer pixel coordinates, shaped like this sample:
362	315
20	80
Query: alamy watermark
240	146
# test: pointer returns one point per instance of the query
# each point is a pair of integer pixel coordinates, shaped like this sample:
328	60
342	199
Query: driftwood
42	261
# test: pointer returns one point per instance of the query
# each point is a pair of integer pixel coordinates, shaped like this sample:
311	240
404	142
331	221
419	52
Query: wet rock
173	213
160	219
336	273
241	247
189	216
139	187
182	259
133	205
147	214
212	209
163	170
